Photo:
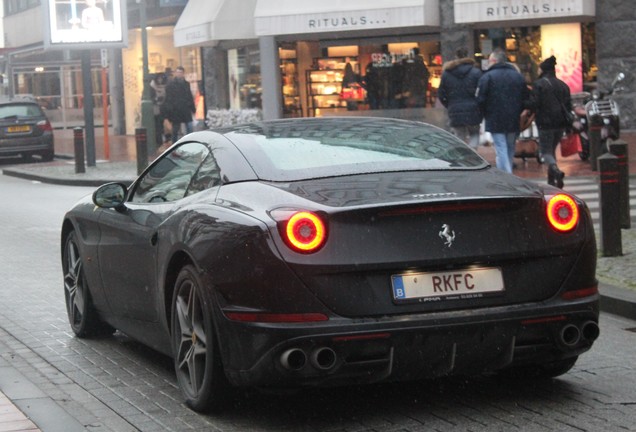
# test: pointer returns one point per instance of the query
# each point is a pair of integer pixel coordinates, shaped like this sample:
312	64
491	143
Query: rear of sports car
485	276
413	259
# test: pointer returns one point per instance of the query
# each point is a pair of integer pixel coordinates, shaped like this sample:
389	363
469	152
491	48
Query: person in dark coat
416	77
179	103
396	86
502	94
457	93
350	79
371	83
550	96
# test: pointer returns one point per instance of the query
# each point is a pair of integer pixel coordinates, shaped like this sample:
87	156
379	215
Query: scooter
603	117
580	124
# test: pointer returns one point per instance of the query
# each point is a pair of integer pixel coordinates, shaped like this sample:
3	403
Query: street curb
618	301
61	181
121	172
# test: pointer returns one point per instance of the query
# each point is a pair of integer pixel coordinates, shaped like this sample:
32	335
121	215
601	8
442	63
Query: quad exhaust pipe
293	359
321	358
570	334
590	331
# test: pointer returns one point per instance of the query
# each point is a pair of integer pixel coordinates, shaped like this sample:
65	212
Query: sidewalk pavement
617	275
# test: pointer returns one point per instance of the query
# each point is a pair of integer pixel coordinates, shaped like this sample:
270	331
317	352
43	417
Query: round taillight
305	232
562	212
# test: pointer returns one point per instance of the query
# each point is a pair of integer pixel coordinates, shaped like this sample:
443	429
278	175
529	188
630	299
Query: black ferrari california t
333	251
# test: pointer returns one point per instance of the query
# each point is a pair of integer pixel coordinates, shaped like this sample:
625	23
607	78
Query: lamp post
147	113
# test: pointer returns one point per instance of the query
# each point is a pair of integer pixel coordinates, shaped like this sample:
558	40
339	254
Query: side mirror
110	195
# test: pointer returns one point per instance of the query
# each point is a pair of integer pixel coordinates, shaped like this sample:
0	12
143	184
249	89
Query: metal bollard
595	123
619	149
142	149
609	212
78	146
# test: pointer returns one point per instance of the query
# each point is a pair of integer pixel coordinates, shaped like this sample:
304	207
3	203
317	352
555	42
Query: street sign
104	57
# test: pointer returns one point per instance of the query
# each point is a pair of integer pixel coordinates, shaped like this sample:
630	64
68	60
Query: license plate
449	285
19	128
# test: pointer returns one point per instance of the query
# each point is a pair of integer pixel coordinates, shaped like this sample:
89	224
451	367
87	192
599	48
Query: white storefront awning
279	17
210	21
482	11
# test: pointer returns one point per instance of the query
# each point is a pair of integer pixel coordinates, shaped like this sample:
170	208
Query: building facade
290	58
29	64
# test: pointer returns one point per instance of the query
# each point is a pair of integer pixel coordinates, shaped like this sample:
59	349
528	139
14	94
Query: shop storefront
163	58
335	58
54	74
225	29
57	84
572	43
297	58
326	78
530	31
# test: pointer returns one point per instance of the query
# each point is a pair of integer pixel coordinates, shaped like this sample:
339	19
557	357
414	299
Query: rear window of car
283	151
20	110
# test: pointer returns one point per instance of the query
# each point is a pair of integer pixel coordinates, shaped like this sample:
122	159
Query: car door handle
153	239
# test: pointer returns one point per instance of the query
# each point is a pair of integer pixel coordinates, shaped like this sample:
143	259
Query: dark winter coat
457	92
548	95
502	94
179	104
415	84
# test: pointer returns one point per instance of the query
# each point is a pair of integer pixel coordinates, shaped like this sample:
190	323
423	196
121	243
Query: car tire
82	315
197	360
541	370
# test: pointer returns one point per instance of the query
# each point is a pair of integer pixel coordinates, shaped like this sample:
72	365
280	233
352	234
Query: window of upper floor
14	6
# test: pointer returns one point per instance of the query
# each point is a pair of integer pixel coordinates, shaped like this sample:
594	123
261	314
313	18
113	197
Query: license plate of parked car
19	128
467	283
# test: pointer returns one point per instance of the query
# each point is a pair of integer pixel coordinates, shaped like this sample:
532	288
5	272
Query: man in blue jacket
457	93
502	94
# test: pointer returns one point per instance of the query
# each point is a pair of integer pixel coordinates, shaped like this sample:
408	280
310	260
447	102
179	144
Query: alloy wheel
74	289
192	341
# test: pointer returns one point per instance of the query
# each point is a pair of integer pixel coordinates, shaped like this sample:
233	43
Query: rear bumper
343	351
15	146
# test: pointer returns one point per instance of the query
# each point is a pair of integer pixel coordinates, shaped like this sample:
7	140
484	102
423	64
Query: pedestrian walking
502	95
456	92
550	99
179	104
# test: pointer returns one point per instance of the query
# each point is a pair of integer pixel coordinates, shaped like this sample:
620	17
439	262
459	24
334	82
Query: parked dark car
333	251
25	130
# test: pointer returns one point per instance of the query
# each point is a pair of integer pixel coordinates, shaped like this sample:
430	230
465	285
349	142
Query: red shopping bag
570	144
354	92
